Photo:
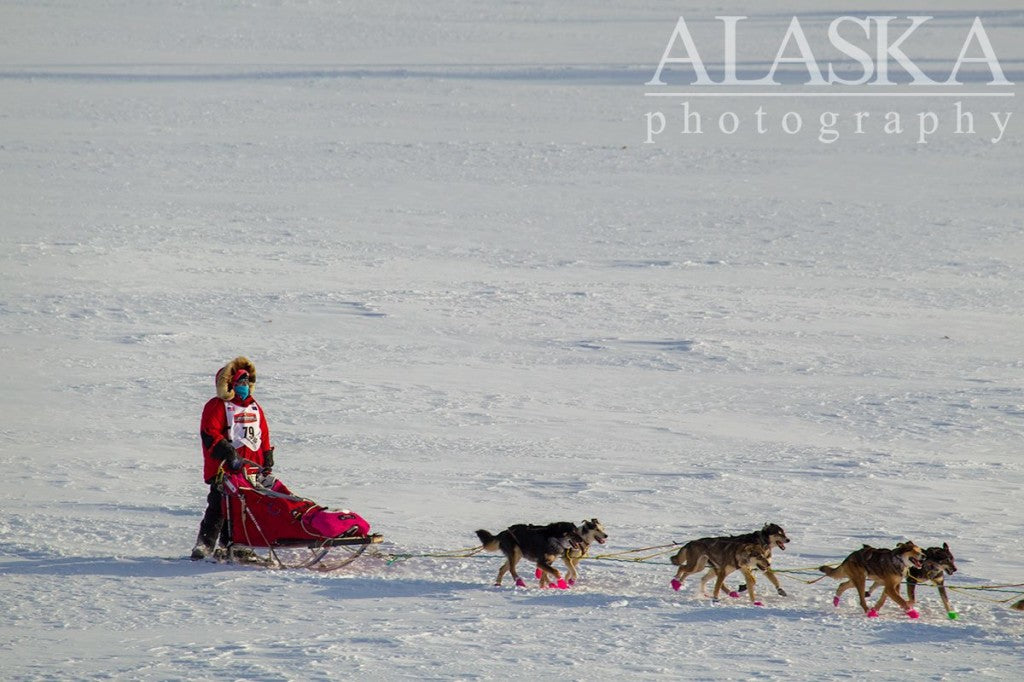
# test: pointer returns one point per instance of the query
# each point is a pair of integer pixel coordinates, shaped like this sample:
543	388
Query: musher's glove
268	461
224	451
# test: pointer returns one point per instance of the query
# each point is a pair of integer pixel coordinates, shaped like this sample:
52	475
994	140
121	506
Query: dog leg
685	570
550	570
732	593
571	572
751	581
770	574
702	562
501	573
707	576
718	584
858	583
941	584
843	587
873	613
512	561
893	590
704	581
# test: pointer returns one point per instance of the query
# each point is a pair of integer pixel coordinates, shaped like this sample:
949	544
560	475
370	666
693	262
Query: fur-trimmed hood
225	373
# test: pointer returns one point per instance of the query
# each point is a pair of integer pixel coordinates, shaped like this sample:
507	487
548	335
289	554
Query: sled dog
1019	606
887	567
771	535
724	557
590	531
936	565
542	544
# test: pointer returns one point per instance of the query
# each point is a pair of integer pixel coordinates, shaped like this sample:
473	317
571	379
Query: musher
233	428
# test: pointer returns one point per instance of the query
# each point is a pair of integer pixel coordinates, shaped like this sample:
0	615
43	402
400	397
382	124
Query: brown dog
937	564
1019	606
887	567
771	535
724	557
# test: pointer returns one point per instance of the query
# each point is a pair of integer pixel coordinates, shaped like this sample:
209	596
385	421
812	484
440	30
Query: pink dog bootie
835	601
872	614
734	594
676	584
520	582
913	614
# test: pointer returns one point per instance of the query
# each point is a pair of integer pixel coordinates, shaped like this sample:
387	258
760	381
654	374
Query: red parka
227	417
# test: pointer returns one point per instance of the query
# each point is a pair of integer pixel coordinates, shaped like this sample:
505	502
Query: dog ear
945	546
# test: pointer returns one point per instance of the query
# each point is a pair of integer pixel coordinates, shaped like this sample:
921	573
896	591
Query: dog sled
270	526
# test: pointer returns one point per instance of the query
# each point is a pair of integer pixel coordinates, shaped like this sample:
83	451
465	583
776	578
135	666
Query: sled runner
270	526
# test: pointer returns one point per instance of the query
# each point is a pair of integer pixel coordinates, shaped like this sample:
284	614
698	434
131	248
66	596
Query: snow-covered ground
476	297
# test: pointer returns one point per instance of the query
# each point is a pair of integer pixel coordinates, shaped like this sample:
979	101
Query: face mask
241	391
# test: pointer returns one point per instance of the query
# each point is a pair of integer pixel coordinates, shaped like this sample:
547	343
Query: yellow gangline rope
1014	594
614	556
467	552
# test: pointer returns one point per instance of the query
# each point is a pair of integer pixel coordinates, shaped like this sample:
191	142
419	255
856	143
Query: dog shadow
721	614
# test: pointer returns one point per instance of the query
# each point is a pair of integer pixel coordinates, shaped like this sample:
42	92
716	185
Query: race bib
244	425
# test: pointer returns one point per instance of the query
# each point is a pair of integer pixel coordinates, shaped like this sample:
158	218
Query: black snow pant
212	524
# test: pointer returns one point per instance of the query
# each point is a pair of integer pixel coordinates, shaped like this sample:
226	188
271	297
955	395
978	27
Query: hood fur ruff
224	374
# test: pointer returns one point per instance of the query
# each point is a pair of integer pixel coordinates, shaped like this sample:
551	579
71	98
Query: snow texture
476	297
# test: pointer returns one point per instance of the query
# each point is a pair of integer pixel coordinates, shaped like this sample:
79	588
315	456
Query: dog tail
677	558
830	571
490	542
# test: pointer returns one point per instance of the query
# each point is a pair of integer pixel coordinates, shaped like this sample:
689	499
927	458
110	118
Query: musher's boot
203	548
201	551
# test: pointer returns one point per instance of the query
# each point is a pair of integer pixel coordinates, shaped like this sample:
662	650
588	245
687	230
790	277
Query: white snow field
475	296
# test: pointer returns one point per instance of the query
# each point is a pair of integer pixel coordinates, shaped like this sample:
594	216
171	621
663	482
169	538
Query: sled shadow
111	566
